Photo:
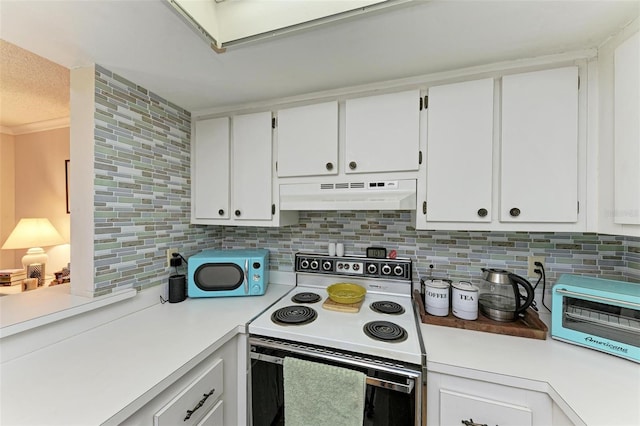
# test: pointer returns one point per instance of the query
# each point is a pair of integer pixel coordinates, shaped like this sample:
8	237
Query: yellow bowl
346	293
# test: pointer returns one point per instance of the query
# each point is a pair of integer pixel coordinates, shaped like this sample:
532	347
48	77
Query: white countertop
598	388
89	378
96	376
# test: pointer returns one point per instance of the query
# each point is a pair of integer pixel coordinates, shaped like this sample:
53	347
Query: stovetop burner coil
306	297
294	315
385	331
387	307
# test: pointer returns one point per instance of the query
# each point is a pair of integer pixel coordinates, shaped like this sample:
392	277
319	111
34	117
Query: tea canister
436	297
464	300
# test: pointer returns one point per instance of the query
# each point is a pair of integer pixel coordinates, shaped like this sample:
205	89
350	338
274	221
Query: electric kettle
499	297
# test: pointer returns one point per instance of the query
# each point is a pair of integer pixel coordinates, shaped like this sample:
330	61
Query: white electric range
384	326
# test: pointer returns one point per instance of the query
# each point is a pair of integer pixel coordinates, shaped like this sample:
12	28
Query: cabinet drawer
214	417
457	408
199	396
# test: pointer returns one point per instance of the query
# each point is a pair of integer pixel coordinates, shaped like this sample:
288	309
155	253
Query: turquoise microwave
597	313
226	273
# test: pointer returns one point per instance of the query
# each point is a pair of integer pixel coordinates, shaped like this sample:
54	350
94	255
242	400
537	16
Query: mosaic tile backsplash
458	255
142	185
142	208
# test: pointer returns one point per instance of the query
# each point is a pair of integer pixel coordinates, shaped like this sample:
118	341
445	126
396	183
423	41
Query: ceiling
145	41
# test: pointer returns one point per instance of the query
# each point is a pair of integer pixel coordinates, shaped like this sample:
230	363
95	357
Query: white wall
40	188
7	197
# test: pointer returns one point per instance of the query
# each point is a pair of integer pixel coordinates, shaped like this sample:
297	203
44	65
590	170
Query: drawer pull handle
200	404
470	422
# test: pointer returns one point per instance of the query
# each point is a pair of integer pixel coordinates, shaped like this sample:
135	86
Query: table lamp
34	233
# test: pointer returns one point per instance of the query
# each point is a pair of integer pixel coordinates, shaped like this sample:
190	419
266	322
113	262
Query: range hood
362	195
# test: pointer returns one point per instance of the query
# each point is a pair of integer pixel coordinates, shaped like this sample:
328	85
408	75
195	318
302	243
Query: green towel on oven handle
322	395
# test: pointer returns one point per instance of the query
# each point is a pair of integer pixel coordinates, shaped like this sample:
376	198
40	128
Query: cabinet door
456	408
251	157
215	417
627	132
308	140
382	133
459	152
210	176
539	155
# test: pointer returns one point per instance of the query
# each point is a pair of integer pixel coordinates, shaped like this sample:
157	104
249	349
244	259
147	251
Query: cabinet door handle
514	212
198	405
221	212
470	422
353	165
482	212
329	166
237	212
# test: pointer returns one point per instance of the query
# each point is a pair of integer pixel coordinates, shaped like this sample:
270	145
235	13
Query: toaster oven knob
326	265
386	269
314	264
398	270
304	263
372	268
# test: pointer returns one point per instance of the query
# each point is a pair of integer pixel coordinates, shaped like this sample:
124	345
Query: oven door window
608	321
219	276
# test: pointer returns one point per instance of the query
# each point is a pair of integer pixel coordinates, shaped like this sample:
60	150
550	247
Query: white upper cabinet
382	133
308	140
210	169
251	185
627	132
459	152
232	180
539	147
503	156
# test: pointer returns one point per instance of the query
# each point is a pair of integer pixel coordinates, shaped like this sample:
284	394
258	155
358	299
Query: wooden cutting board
342	307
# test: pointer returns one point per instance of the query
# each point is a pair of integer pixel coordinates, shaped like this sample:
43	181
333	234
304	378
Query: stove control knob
314	264
304	263
356	267
346	266
326	265
339	265
372	268
398	270
386	269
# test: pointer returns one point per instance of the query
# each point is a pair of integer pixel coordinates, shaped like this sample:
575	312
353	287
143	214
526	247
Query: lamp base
34	262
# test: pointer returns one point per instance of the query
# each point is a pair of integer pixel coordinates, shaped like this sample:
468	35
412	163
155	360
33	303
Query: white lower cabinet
196	399
454	400
205	395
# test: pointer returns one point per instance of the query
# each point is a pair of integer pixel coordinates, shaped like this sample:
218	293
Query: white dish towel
322	395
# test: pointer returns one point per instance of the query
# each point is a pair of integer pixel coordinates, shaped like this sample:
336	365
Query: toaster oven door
613	320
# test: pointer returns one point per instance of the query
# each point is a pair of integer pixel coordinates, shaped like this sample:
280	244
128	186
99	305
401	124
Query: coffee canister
436	297
464	300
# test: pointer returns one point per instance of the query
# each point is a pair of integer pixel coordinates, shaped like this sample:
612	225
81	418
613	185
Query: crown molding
39	126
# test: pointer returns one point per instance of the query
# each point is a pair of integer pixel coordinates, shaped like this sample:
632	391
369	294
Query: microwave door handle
246	274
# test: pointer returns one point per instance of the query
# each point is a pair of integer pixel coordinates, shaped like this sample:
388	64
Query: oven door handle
372	381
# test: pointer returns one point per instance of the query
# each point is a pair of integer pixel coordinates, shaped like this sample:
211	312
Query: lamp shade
33	232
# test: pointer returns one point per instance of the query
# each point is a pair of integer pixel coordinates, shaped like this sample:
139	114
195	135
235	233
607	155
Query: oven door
393	394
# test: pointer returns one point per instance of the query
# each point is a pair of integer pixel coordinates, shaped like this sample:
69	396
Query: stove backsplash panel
457	255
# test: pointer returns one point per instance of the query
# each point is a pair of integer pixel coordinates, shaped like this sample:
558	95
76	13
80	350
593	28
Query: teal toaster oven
597	313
